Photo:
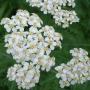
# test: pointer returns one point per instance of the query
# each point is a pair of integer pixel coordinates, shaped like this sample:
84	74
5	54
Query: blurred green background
77	35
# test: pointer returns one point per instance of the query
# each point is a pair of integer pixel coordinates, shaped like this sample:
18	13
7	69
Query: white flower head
62	17
46	62
76	71
29	41
28	45
25	75
34	2
20	21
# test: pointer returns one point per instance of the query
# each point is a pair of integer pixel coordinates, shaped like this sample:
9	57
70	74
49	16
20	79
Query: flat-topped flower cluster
30	44
26	75
62	16
76	71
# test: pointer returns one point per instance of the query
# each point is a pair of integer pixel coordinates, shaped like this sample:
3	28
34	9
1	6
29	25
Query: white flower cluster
21	20
28	42
30	46
33	42
76	71
55	8
25	75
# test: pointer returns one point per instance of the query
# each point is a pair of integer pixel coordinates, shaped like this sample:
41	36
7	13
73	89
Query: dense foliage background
77	35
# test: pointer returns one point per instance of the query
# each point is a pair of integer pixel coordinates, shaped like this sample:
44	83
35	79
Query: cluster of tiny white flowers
30	44
33	44
46	62
65	18
54	7
26	75
21	20
76	71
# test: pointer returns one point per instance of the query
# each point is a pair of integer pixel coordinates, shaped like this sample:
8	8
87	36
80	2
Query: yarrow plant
30	44
62	16
26	75
21	20
76	71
